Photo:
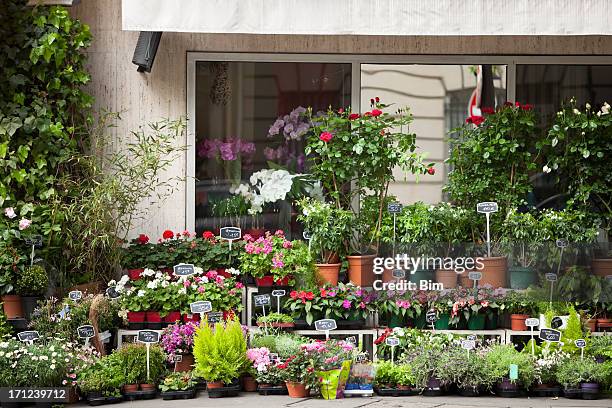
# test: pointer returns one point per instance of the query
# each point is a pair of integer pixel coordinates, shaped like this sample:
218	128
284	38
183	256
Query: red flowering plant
225	294
342	302
137	254
274	254
465	302
376	142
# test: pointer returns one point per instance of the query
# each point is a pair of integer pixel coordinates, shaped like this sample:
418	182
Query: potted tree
377	142
329	230
31	285
522	237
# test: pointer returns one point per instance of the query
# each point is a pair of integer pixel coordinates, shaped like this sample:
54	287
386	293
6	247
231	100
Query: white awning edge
371	17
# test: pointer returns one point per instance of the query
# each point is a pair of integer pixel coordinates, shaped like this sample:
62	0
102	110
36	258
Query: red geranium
431	170
476	120
326	136
353	116
168	234
143	239
377	99
376	112
527	107
309	295
208	235
293	294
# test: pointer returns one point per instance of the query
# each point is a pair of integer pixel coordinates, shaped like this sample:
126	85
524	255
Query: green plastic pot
419	321
492	322
442	322
396	320
521	277
422	274
476	322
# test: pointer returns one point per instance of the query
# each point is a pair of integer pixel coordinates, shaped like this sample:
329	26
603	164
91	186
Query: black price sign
148	336
551	277
392	341
85	332
556	322
278	292
550	335
471	337
487	207
184	269
35	241
394	208
112	293
75	295
325	325
580	343
361	357
262	300
231	233
28	336
431	316
177	358
475	276
562	243
273	356
202	306
398	273
214	317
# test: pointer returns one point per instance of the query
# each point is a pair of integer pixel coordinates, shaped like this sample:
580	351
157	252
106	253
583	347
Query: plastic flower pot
191	318
130	388
211	385
572	393
265	281
361	269
136	320
494	272
492	321
521	277
517	322
297	390
507	389
592	325
590	391
448	278
604	324
476	322
153	320
172	317
328	273
135	274
443	322
147	387
283	281
222	272
12	306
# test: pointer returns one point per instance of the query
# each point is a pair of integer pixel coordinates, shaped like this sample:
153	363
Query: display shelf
501	333
515	333
121	333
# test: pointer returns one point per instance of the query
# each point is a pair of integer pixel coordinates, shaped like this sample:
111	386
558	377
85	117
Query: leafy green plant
180	381
600	346
275	318
33	281
576	370
220	351
106	376
501	356
133	359
466	370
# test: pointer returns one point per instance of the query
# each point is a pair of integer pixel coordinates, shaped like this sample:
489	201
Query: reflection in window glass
247	119
440	98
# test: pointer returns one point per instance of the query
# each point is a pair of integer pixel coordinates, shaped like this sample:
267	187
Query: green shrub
500	357
576	370
133	359
33	281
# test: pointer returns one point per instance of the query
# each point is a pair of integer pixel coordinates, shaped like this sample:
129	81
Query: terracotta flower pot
604	324
517	322
329	273
361	269
448	278
601	267
147	387
297	390
592	325
130	388
249	384
12	306
465	281
134	274
211	385
494	272
186	363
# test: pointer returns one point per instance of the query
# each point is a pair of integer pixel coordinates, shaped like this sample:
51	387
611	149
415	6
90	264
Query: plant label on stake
550	335
112	293
532	322
581	344
468	345
263	301
177	358
274	357
398	274
392	342
148	337
214	317
75	295
431	317
487	208
184	269
28	336
552	278
325	325
394	208
86	332
230	234
471	337
556	322
308	237
352	340
202	307
36	242
475	276
278	293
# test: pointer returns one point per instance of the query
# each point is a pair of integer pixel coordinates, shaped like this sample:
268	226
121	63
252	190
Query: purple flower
270	153
247	147
346	304
227	151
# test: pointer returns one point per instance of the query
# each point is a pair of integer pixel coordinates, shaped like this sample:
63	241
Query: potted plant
11	265
220	353
224	293
179	385
276	320
500	358
331	363
600	347
397	307
329	229
133	358
493	154
275	260
298	374
31	284
547	364
582	377
427	370
134	257
102	381
377	142
521	307
177	340
522	237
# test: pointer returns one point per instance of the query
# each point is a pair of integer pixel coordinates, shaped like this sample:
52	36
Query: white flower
112	282
152	285
148	272
546	169
182	291
24	224
10	212
198	270
159	275
233	271
605	109
141	293
576	111
165	284
588	105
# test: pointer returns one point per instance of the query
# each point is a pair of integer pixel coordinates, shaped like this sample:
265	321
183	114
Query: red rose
293	294
431	170
487	110
341	110
353	116
376	112
527	107
208	235
168	234
326	136
377	99
309	295
372	101
143	239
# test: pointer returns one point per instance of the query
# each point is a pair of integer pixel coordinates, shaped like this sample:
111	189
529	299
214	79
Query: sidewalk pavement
248	400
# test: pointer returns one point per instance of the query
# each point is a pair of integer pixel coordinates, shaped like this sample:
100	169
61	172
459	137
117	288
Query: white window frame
355	60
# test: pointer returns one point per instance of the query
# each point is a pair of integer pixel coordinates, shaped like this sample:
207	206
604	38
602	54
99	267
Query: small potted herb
277	320
582	377
501	358
179	385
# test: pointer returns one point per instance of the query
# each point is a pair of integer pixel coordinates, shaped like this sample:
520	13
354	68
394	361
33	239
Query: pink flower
24	224
201	289
362	305
346	304
186	284
287	244
239	285
485	303
211	274
10	212
326	137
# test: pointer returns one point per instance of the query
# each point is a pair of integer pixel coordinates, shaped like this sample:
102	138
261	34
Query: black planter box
572	393
172	395
395	392
136	326
140	395
99	400
273	390
227	391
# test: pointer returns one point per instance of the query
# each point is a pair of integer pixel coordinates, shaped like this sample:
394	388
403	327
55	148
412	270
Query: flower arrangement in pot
225	294
137	256
275	260
501	358
264	368
393	379
521	307
298	373
329	228
348	303
377	142
547	363
476	306
331	363
177	340
397	307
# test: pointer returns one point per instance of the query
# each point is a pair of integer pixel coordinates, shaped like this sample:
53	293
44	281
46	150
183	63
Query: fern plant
219	351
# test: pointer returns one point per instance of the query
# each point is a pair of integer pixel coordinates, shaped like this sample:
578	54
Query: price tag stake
531	323
392	342
278	294
581	344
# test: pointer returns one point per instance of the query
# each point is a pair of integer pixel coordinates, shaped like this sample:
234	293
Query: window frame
356	61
